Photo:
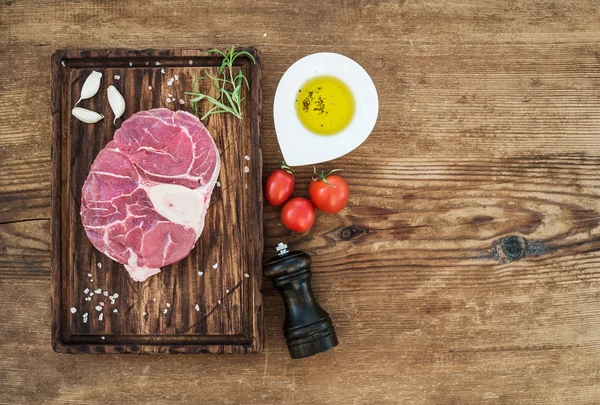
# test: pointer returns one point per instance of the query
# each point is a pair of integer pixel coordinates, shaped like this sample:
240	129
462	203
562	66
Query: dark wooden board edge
256	215
55	222
254	324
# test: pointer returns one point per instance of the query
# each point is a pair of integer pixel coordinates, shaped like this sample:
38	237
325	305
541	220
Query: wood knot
351	231
515	247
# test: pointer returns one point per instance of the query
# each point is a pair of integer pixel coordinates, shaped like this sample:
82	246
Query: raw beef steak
144	201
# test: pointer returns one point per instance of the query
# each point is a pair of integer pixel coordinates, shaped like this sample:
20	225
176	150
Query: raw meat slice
144	202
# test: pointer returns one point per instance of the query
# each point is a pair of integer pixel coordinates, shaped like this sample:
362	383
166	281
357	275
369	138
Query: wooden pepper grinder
307	328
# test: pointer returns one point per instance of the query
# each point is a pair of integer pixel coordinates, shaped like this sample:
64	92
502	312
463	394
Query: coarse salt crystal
190	62
170	95
200	273
144	313
91	280
162	71
247	157
92	293
265	35
169	83
246	275
98	308
73	310
115	295
98	291
101	317
219	301
89	275
62	62
154	299
149	87
214	266
168	100
85	317
197	307
105	293
227	291
88	299
176	77
102	304
246	169
245	186
87	290
130	64
117	77
99	265
218	184
165	311
102	337
115	310
168	305
181	101
158	64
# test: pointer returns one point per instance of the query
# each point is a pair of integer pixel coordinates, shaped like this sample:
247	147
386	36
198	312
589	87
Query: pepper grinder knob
307	328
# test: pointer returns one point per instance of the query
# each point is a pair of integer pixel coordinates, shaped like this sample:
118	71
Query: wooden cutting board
208	302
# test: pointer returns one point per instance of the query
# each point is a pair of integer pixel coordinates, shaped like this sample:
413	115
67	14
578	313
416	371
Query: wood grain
488	129
159	315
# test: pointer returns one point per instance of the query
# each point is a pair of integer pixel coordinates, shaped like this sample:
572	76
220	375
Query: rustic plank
376	23
506	101
159	315
491	343
24	248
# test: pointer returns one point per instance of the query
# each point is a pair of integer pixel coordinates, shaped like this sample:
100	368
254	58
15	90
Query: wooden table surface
465	269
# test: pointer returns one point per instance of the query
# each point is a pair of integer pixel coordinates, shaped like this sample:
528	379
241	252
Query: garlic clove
85	115
90	86
116	101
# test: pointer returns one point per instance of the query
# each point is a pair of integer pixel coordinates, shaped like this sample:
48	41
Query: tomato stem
323	177
287	168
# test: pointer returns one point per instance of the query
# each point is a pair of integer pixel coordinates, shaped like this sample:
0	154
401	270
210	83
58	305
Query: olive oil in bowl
325	105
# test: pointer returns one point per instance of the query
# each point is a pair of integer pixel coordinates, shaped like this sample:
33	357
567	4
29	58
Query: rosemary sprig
228	86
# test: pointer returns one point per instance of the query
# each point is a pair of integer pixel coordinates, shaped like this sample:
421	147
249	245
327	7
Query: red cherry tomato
279	185
298	214
329	193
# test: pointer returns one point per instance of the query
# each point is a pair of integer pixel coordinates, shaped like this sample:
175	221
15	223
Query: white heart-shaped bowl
300	146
